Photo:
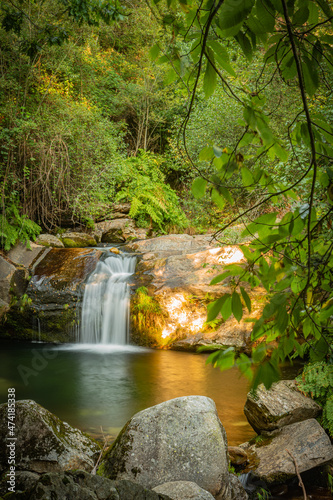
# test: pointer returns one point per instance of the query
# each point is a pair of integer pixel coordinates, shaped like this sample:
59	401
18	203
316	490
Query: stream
100	386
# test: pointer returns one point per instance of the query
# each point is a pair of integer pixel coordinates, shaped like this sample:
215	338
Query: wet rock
281	405
235	490
53	293
49	240
43	442
178	440
7	271
183	490
27	257
307	443
78	240
120	231
237	455
24	482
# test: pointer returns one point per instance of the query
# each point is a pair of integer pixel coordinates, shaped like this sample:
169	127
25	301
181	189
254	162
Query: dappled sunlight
180	316
231	255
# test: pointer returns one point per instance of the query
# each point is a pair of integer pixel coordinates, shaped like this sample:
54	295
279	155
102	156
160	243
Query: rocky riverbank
41	289
176	450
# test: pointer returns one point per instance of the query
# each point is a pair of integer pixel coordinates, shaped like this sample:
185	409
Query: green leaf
154	52
326	313
246	298
209	82
199	187
267	373
234	13
206	154
245	44
247	177
217	151
282	320
224	360
214	308
236	306
226	310
310	74
216	198
301	16
225	193
222	57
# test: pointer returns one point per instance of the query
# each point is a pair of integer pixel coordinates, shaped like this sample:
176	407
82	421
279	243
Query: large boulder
49	240
178	440
304	443
52	295
43	442
177	270
119	231
183	490
281	405
77	240
15	270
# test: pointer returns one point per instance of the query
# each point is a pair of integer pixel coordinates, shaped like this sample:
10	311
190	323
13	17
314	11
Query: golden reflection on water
173	374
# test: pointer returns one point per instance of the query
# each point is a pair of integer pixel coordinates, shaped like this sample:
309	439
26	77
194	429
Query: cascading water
105	308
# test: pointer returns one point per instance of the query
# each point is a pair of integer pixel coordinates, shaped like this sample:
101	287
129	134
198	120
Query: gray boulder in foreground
43	442
281	405
178	440
76	485
304	442
183	490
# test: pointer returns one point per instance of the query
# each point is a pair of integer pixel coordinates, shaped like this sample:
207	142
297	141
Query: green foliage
15	227
153	202
317	381
291	252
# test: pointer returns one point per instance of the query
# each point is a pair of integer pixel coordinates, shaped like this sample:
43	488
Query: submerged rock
305	443
281	405
183	490
178	440
43	442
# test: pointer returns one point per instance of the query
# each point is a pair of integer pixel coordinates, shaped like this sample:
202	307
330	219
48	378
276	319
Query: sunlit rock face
178	440
178	270
50	309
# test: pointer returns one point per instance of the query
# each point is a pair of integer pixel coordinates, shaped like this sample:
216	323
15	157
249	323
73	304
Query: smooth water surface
94	387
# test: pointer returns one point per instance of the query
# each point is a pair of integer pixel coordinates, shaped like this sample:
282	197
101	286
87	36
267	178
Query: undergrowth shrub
317	381
153	202
15	227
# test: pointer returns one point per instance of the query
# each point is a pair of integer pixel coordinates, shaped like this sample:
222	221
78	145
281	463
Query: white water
105	308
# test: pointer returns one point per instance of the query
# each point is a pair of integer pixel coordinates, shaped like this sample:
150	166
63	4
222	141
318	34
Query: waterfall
105	308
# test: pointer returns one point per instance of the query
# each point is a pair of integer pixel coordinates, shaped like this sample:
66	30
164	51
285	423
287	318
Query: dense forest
202	115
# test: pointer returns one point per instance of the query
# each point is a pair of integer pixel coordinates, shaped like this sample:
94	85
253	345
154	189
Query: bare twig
300	482
93	472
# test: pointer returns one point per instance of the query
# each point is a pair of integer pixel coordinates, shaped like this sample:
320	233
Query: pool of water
96	388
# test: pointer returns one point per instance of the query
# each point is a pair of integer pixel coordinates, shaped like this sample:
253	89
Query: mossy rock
78	240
